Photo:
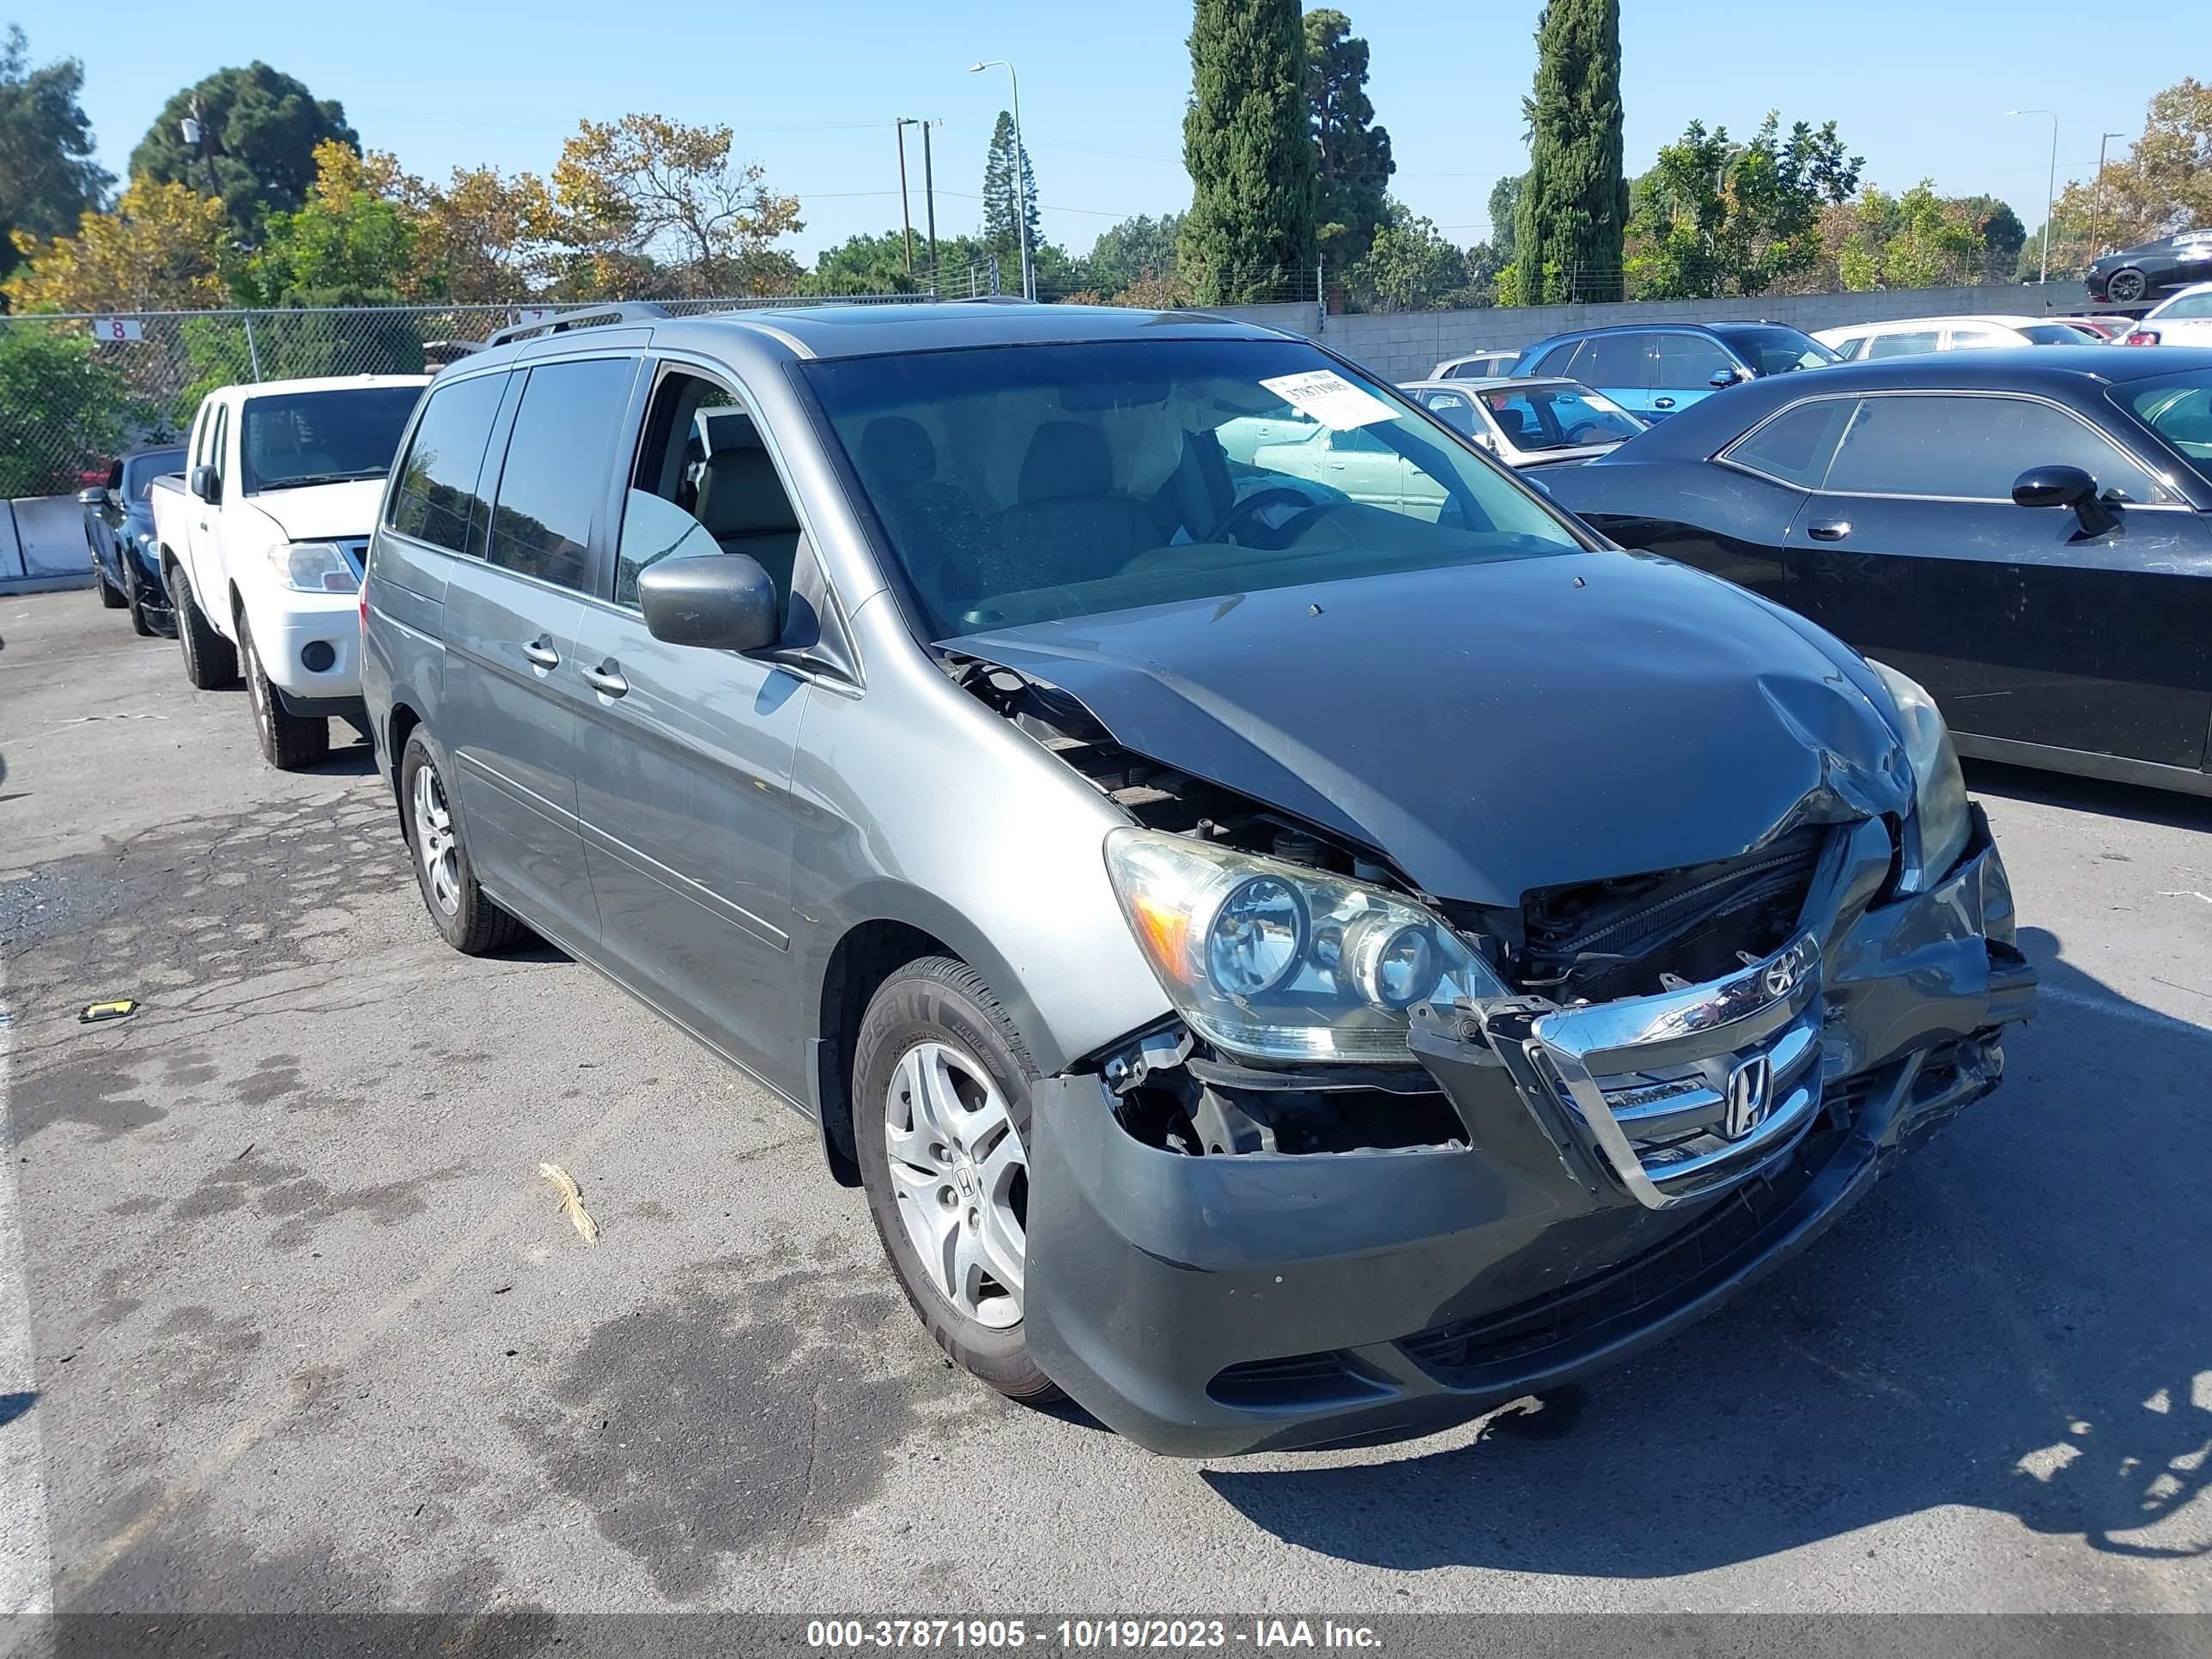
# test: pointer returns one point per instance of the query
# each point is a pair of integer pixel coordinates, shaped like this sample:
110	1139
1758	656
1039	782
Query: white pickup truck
262	541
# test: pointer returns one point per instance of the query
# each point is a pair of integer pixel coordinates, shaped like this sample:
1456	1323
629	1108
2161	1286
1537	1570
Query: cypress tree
1351	154
1247	142
1574	207
1006	203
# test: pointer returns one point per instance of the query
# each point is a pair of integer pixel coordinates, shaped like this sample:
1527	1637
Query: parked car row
1299	936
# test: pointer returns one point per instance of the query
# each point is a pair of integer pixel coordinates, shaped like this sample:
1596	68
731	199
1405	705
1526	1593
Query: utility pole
929	202
906	217
2097	193
2050	186
1021	171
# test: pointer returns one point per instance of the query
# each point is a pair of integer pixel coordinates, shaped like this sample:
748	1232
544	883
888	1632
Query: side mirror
203	483
92	498
724	602
1725	378
2065	486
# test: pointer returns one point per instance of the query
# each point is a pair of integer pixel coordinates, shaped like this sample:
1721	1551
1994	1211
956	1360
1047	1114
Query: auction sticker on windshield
1330	399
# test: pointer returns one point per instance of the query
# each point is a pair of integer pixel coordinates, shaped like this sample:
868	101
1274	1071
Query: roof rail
587	316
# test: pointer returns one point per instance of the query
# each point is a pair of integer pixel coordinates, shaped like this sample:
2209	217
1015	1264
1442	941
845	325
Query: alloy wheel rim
960	1178
434	840
256	689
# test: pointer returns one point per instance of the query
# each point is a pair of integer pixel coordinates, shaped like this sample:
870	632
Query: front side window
556	468
1690	361
293	439
1021	484
1774	348
703	485
1454	410
1539	417
436	499
1972	448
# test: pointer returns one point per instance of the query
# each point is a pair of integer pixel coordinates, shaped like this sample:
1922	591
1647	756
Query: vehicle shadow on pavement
2014	1320
2134	802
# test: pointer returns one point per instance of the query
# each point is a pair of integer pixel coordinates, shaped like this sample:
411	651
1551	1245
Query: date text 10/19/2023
1088	1635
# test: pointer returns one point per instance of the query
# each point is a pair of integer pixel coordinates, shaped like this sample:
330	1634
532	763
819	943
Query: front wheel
289	741
134	594
940	1120
110	599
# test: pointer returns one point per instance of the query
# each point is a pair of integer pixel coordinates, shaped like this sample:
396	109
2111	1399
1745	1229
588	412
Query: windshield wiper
310	478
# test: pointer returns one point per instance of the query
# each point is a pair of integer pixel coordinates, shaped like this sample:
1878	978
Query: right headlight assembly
1275	961
1940	822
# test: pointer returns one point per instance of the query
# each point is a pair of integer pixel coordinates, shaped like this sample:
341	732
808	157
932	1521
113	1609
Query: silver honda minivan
1291	956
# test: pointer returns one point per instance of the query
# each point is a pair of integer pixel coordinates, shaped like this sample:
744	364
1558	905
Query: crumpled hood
336	512
1497	727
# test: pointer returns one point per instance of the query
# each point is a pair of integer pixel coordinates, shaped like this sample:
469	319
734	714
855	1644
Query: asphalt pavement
290	1321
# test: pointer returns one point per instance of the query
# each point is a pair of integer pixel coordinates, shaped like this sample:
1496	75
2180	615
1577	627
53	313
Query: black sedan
2135	275
119	524
2026	533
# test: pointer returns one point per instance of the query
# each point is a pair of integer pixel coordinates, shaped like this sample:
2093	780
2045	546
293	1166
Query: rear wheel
2126	287
941	1121
210	660
468	918
289	741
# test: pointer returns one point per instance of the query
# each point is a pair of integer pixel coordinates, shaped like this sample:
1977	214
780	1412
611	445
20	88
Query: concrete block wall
1406	345
42	545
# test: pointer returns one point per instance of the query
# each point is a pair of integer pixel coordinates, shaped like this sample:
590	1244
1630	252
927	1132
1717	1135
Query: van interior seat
1066	502
743	505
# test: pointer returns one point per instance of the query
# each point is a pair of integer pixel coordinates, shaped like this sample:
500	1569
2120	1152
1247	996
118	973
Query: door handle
541	652
1663	403
606	678
1829	530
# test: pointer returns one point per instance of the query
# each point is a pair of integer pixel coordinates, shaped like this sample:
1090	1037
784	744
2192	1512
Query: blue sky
1920	89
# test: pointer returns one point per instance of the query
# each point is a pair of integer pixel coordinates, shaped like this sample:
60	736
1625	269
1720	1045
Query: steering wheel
1585	432
1233	520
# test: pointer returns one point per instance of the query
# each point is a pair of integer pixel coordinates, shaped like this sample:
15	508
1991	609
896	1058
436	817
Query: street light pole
2050	188
2097	194
1021	171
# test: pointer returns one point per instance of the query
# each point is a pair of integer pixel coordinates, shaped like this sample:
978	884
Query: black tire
476	925
136	599
2126	287
110	599
210	660
289	742
941	1000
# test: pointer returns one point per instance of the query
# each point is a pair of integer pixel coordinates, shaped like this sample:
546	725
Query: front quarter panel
915	804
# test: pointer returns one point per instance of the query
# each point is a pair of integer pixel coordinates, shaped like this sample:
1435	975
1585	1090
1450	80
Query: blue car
1652	369
119	525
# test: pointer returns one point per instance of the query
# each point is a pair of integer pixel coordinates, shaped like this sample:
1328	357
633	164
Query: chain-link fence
75	391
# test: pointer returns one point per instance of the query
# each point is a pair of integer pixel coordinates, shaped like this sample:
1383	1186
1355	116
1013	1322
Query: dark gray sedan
118	528
1286	964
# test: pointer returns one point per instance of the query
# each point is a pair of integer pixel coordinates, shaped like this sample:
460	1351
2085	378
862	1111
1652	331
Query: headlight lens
313	568
1274	960
1941	821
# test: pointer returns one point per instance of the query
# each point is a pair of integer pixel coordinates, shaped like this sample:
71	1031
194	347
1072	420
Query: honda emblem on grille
1748	1085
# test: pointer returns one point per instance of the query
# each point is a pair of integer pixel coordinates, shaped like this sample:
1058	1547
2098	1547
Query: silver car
1286	964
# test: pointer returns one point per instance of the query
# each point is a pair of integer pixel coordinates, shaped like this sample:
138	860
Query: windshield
1775	347
1022	484
142	468
2178	408
293	439
1559	417
2057	334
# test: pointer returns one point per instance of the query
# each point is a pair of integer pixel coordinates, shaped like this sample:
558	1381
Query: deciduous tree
48	179
163	248
1247	144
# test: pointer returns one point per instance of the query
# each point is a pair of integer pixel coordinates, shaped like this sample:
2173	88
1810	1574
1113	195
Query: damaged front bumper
1626	1168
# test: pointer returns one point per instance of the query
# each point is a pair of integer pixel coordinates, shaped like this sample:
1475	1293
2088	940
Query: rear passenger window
1794	447
556	469
1910	343
436	499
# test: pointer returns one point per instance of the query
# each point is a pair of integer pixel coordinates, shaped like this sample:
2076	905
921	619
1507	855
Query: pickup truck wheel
941	1117
210	660
468	918
289	741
